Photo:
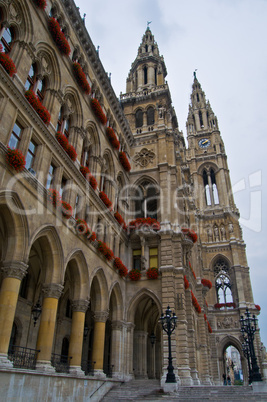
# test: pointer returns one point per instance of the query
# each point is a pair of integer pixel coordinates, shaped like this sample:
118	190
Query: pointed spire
200	115
148	70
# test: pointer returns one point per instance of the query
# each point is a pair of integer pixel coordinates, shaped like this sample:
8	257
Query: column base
99	374
194	375
45	367
206	380
77	371
5	362
185	376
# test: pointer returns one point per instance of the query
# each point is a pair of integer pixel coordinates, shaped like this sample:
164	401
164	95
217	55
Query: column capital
101	316
130	326
117	325
14	269
80	305
52	290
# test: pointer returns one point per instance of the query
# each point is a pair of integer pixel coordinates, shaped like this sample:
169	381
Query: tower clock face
204	143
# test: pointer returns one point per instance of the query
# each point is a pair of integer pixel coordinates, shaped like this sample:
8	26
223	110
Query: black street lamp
36	312
248	329
168	323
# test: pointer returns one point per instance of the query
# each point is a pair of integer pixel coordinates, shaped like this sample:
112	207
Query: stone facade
90	315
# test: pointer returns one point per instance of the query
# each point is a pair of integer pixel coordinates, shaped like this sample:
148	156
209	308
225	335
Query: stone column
52	293
13	273
79	308
129	351
140	354
99	341
117	348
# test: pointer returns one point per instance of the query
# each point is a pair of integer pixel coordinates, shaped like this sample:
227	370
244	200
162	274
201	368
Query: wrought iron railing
61	363
88	367
23	357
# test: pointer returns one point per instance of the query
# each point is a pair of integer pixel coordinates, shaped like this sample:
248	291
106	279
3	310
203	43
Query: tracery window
223	284
7	38
36	82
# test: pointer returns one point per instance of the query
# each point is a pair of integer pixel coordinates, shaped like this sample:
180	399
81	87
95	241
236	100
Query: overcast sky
225	40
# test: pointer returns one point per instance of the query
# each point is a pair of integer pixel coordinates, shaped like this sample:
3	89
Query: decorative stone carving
117	325
14	12
52	290
227	322
101	316
14	269
144	157
80	305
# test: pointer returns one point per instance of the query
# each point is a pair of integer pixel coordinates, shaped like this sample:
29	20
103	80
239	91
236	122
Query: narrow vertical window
7	39
200	119
30	155
15	136
76	208
50	176
153	257
214	187
137	259
145	75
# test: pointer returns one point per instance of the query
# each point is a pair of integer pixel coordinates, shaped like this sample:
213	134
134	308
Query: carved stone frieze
144	157
227	322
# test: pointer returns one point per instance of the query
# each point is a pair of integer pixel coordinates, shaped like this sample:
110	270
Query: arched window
223	283
150	116
206	187
146	201
63	123
36	82
214	187
139	118
210	187
7	38
145	75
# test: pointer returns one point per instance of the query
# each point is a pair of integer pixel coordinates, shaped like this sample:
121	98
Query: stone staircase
150	390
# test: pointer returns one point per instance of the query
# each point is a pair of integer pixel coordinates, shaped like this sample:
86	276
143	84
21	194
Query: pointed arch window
150	116
7	35
36	82
63	123
223	284
210	187
139	118
146	201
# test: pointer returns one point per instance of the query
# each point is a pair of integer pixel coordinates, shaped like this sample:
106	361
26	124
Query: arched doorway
232	362
147	362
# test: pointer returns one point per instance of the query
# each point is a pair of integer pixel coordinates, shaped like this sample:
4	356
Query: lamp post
168	323
36	312
248	329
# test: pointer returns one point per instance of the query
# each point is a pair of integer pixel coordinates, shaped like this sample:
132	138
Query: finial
195	74
84	15
148	23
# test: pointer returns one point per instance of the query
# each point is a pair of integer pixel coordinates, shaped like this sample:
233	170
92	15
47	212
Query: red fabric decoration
207	283
195	303
186	283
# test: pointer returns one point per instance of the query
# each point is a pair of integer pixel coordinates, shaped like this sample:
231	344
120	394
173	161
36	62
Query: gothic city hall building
108	217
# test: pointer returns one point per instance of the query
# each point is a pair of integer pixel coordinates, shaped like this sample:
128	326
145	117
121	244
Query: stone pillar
191	339
129	350
140	354
13	273
117	348
79	308
99	341
52	293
